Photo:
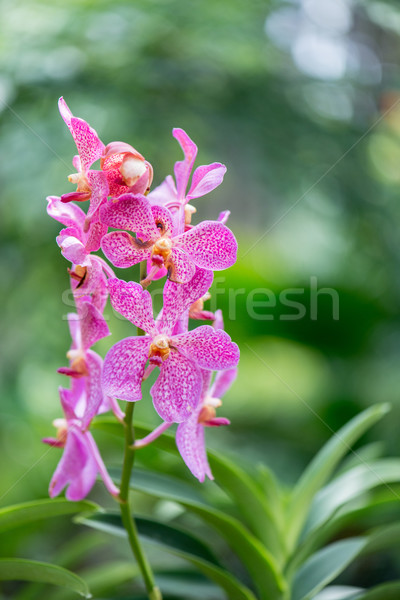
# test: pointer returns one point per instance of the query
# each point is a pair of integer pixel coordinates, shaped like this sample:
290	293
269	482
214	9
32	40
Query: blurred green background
300	100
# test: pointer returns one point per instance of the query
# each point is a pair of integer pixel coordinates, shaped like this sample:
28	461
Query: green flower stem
126	513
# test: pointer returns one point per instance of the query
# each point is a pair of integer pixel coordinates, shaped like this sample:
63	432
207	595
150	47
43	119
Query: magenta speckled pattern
96	232
191	445
209	348
182	268
163	220
205	179
210	244
120	249
177	389
178	297
99	191
92	324
133	302
90	147
123	368
132	213
94	392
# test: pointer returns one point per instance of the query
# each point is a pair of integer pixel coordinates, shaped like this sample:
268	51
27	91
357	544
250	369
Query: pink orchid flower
190	437
91	185
173	194
208	245
126	170
180	357
81	461
88	272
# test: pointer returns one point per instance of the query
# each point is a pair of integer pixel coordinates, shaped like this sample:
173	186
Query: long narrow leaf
178	543
231	478
260	564
21	514
349	486
338	592
324	566
323	465
31	570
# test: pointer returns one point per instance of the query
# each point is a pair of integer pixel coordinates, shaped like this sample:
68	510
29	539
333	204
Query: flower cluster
154	228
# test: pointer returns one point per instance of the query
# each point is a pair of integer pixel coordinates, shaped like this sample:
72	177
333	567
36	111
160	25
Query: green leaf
232	479
365	454
323	465
387	591
178	543
31	570
349	486
382	538
260	564
21	514
324	566
338	592
103	579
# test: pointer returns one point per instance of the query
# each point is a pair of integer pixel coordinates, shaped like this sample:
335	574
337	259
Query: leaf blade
17	569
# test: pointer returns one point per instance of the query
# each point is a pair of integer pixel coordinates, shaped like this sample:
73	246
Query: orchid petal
72	248
163	220
210	349
122	249
95	234
177	389
190	440
183	168
133	302
99	190
92	324
178	297
224	216
90	147
77	468
94	392
222	382
210	244
205	179
69	214
132	213
123	368
165	194
181	267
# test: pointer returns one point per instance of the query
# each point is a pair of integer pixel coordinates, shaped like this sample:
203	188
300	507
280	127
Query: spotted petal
89	146
178	297
99	190
210	349
92	324
122	250
210	244
177	389
123	368
181	267
191	445
133	302
132	213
